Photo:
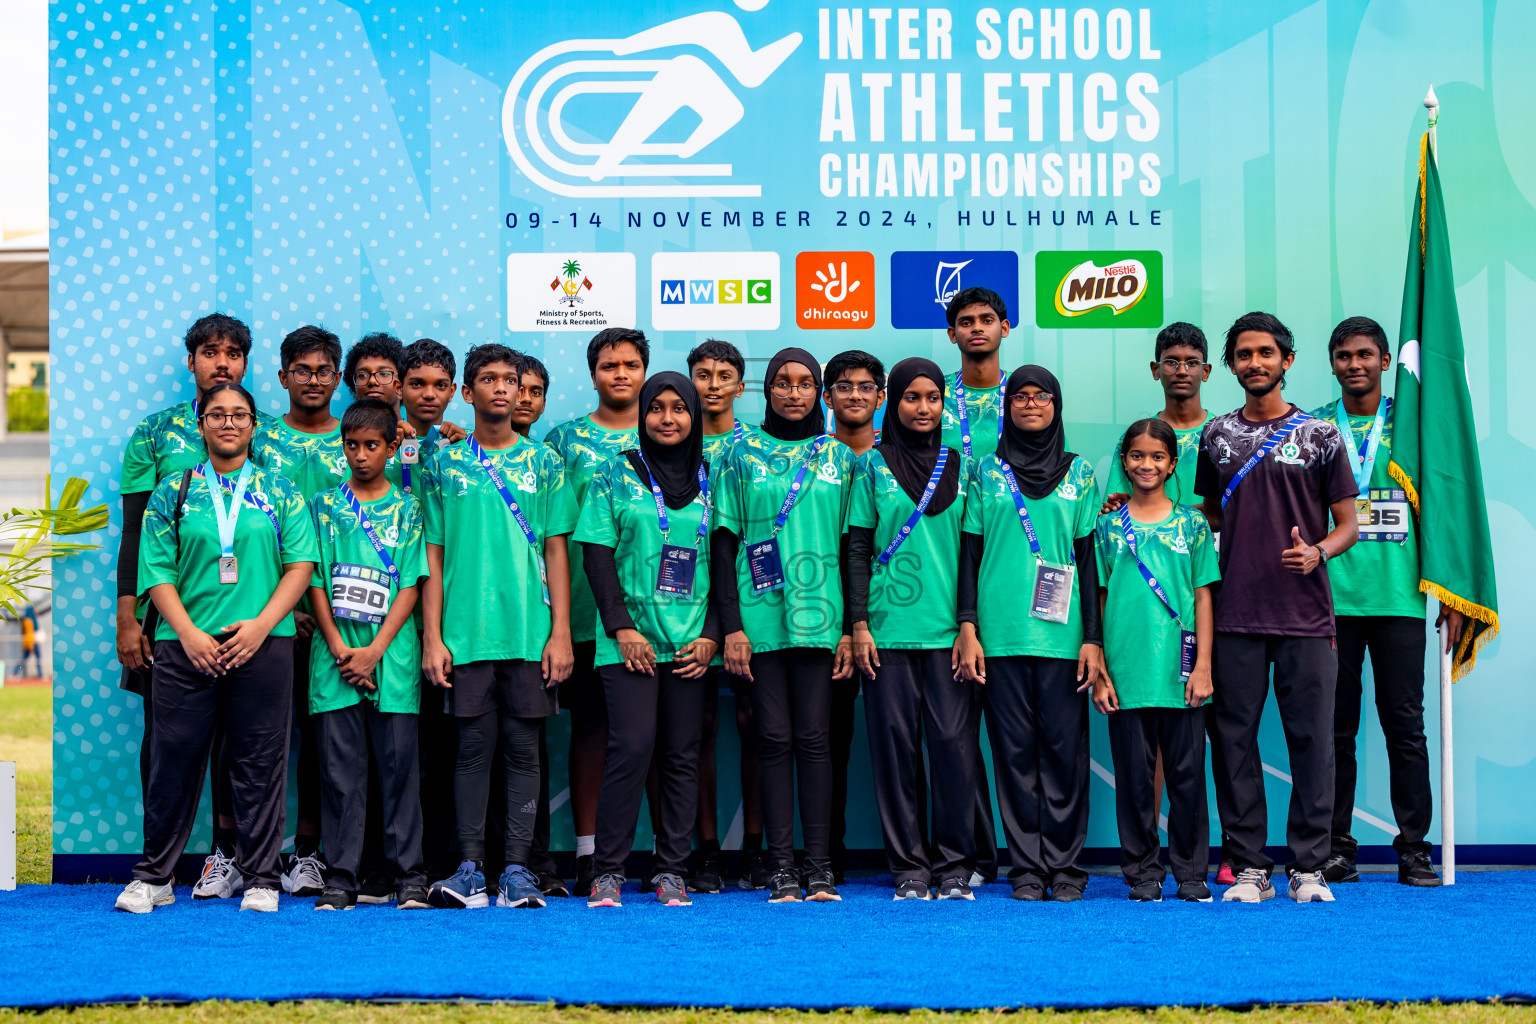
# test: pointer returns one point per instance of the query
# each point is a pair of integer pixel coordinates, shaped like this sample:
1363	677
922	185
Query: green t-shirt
493	603
912	600
1377	577
1007	576
163	443
584	446
758	470
397	519
193	564
982	410
1181	486
620	513
311	462
716	445
1141	640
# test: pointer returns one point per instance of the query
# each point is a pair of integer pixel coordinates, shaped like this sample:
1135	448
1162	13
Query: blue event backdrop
430	169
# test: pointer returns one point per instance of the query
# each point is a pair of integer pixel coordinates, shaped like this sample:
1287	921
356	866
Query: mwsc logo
715	291
602	73
1098	289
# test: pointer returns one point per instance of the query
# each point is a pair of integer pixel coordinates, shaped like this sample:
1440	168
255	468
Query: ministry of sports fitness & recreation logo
626	82
569	283
1098	289
572	291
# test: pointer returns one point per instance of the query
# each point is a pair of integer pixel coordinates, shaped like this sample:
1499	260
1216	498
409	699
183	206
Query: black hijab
779	427
1039	458
676	467
911	455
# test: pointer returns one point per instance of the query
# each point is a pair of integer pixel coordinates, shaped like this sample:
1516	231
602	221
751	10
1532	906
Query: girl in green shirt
1156	564
782	497
904	556
644	525
227	550
1029	631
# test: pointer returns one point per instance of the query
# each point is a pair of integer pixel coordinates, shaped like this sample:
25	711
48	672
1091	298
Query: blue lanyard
965	419
738	432
1146	574
796	484
1366	450
370	532
223	518
1024	520
205	471
501	488
1264	449
917	513
661	503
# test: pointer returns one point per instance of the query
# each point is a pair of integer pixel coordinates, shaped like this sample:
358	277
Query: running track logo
535	129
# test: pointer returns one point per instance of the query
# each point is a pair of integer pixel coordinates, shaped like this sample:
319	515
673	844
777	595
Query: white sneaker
220	878
1252	886
1309	887
140	897
305	877
261	899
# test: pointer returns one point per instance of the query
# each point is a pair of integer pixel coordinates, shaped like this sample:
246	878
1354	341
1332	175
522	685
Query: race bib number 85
359	593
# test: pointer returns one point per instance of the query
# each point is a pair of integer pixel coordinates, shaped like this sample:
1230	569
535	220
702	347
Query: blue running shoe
465	889
519	887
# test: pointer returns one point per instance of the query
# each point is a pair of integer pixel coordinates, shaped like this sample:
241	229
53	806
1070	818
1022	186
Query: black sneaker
585	876
1339	868
784	886
1194	891
707	877
912	890
1416	869
821	887
553	886
955	889
336	899
1067	892
1141	892
412	897
755	873
376	889
1029	892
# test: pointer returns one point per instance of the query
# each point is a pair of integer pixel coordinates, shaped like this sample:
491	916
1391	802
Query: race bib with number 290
359	593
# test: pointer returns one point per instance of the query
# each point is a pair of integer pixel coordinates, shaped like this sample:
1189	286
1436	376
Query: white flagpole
1443	643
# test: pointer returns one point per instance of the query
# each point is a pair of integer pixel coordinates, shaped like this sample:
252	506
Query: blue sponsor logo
922	283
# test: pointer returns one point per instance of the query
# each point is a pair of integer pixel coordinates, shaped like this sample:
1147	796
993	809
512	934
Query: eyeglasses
784	388
1023	401
364	376
848	387
1173	365
302	374
240	419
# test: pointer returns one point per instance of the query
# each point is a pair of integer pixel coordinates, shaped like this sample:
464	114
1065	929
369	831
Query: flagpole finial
1432	104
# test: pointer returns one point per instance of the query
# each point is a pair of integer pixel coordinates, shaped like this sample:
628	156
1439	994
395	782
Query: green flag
1434	441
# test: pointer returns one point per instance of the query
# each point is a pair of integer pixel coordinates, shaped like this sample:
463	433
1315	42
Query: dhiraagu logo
715	291
1099	289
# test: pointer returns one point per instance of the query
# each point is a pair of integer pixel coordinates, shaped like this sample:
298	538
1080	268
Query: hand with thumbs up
1301	557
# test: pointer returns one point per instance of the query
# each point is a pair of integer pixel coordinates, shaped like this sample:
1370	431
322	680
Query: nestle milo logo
1098	289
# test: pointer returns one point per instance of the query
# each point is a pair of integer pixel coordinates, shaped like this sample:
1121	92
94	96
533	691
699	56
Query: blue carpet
1379	941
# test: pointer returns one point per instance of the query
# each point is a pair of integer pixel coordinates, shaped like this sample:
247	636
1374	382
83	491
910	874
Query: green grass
25	737
504	1013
